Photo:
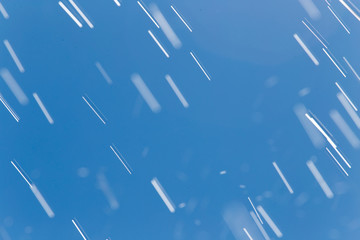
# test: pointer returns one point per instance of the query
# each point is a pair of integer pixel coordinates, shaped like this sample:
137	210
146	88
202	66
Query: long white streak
201	67
257	214
345	129
158	43
342	24
103	73
354	6
117	3
42	201
176	90
4	12
14	56
332	60
81	14
181	18
70	14
283	178
352	69
349	9
117	153
314	34
148	14
97	114
19	169
349	109
269	221
3	101
146	93
247	233
331	142
320	179
43	109
258	224
306	49
337	162
163	195
346	96
79	230
14	86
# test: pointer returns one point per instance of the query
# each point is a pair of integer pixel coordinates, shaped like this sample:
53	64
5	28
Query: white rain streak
165	27
70	14
320	179
81	14
103	73
148	14
269	221
181	18
349	9
345	129
354	6
314	135
77	225
94	109
333	61
283	178
146	93
258	224
121	158
176	91
11	111
257	214
337	162
349	109
352	69
313	30
159	189
117	3
200	66
22	173
331	142
158	43
306	49
248	234
4	12
310	8
105	188
14	86
339	20
346	96
43	109
14	56
42	201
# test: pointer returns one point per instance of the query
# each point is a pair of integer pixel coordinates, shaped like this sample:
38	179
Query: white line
345	129
257	214
143	8
188	27
352	69
283	178
346	96
21	173
349	109
201	67
176	90
42	201
9	108
78	228
14	56
14	86
103	73
247	233
146	93
342	24
350	10
258	224
70	14
117	3
320	179
4	12
158	43
336	161
269	221
94	109
163	195
117	153
306	49
43	109
314	34
334	62
81	14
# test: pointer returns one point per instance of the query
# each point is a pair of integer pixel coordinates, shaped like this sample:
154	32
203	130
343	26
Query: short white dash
121	158
81	14
352	69
70	14
346	96
158	43
90	103
4	12
306	49
339	20
14	56
320	179
283	178
176	91
43	109
42	201
269	221
117	3
14	86
163	195
3	101
148	14
103	73
201	67
248	234
181	18
257	214
332	60
337	162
